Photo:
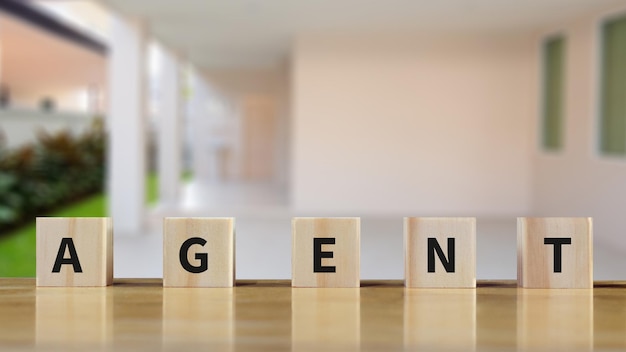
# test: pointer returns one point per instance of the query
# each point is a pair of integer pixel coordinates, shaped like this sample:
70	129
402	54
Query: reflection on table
199	317
561	319
323	318
443	319
73	316
270	315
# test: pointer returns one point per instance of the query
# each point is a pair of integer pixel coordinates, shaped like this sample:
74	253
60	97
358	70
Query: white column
170	129
200	127
127	127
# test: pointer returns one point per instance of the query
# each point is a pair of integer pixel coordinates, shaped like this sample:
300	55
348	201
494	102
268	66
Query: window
613	103
553	89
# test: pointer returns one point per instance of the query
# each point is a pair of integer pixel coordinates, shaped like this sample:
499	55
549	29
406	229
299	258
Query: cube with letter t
74	252
555	252
326	252
198	252
440	252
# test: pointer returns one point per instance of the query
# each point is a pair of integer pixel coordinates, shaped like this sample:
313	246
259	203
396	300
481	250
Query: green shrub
59	168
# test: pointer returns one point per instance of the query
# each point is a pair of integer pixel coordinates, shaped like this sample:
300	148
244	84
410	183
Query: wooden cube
74	252
199	252
326	252
555	252
440	252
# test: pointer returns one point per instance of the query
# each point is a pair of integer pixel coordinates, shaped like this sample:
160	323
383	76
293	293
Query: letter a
67	242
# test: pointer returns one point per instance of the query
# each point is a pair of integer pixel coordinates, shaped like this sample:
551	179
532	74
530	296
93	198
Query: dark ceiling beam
27	12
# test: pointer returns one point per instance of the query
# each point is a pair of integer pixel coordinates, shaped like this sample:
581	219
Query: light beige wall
412	125
258	133
35	64
578	181
261	153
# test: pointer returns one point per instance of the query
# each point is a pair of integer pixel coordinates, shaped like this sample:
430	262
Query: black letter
202	257
433	246
557	242
318	255
67	242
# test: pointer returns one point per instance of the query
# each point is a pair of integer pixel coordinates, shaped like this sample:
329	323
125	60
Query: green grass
152	188
152	185
17	248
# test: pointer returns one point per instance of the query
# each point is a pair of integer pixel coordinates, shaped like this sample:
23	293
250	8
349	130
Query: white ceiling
219	33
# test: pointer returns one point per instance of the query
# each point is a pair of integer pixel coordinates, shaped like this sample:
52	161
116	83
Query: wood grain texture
141	315
346	252
535	260
416	234
219	250
93	241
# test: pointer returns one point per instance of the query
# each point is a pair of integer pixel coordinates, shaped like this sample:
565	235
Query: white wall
412	126
578	181
19	127
66	99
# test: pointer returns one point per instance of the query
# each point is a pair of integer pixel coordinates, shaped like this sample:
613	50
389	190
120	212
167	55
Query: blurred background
264	110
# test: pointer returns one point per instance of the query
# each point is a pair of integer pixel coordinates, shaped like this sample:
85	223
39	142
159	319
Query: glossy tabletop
269	315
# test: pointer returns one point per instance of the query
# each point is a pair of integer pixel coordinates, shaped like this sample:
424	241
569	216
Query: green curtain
613	109
553	90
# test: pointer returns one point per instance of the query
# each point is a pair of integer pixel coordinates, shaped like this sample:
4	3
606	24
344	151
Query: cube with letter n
74	252
326	252
440	252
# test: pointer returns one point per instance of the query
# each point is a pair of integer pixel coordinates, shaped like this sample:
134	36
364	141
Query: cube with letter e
440	252
326	252
74	252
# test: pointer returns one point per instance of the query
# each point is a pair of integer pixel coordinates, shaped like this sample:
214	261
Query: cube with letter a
74	252
440	252
555	252
326	252
198	252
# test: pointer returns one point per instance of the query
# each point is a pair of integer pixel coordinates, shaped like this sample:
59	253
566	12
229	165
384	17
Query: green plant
57	169
10	199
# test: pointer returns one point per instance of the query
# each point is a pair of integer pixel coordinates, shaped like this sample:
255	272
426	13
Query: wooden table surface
269	315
